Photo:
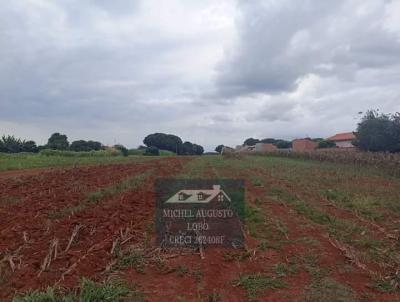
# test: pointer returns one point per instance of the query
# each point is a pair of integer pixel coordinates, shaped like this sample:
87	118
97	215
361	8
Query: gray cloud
211	72
280	42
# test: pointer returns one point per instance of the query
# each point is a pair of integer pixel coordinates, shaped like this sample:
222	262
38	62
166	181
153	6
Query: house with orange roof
343	140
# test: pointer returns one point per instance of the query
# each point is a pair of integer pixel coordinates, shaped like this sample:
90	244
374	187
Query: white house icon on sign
200	196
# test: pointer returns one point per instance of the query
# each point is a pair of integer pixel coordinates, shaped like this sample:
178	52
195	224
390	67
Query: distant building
304	144
244	149
261	147
226	149
257	148
343	140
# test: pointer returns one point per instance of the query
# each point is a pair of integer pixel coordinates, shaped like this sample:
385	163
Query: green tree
187	148
152	151
251	141
378	132
82	145
123	149
30	146
58	141
164	141
197	149
269	141
326	144
283	144
10	144
219	148
96	146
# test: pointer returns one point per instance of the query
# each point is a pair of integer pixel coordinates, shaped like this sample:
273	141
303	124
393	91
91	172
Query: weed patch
258	283
89	291
329	290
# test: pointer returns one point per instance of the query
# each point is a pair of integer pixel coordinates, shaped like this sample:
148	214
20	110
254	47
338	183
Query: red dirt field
26	230
39	248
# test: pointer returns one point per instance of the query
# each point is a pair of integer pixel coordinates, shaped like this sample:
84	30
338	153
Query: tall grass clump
390	162
100	153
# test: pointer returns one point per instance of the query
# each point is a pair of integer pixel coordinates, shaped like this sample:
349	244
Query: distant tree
187	148
269	141
251	141
326	144
152	151
96	146
395	132
58	141
197	149
283	144
164	142
82	145
123	149
141	147
30	146
10	144
79	145
191	149
378	132
219	148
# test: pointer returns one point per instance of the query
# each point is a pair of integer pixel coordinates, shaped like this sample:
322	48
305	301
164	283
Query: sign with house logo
199	212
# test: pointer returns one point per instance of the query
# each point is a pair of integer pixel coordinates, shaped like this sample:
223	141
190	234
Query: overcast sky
208	71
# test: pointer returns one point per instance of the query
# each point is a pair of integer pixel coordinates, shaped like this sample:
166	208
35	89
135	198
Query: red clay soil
331	258
128	215
216	274
23	172
26	231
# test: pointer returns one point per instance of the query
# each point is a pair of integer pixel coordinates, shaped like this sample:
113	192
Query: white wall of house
344	144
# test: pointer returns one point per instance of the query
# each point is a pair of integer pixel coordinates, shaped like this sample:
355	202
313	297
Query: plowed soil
39	249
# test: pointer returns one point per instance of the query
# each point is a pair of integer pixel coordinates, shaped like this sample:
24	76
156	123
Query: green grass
28	161
258	283
285	269
131	258
89	291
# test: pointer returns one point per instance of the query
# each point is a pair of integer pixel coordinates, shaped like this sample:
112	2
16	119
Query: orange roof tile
347	136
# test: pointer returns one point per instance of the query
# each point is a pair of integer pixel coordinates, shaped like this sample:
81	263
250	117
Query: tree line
57	141
376	132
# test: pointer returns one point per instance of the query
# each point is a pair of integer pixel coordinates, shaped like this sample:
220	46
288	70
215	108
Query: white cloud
211	72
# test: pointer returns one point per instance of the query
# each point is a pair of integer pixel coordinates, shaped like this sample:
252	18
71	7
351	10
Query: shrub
101	153
136	151
10	144
82	145
89	291
124	151
152	151
326	144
